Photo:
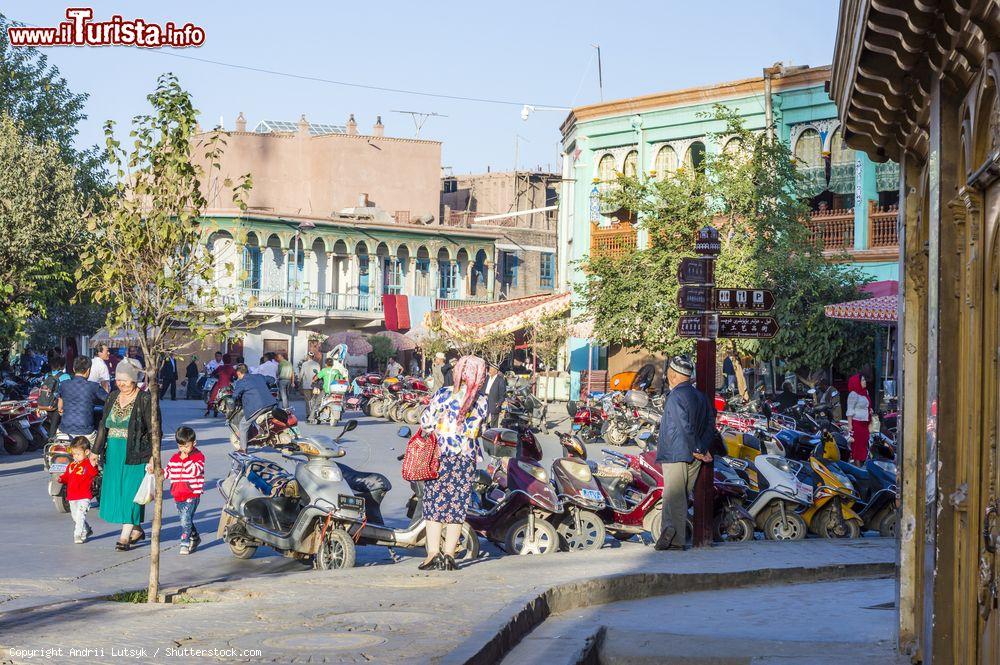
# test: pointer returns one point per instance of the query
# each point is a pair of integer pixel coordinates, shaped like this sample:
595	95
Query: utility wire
318	79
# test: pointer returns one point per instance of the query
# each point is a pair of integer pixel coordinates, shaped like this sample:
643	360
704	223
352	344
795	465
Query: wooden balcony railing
834	228
882	231
612	242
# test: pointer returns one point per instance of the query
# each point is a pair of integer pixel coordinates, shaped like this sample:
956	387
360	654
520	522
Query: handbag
146	491
422	458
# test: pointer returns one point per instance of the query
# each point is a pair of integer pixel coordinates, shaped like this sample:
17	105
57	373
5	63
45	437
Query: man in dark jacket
252	391
686	431
168	377
495	390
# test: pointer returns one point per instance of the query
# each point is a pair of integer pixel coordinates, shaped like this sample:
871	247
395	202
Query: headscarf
854	385
339	353
128	368
470	370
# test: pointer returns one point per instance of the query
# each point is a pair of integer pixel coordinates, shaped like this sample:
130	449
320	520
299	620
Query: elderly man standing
686	431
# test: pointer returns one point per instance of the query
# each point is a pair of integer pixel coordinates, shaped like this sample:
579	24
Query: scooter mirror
404	432
350	426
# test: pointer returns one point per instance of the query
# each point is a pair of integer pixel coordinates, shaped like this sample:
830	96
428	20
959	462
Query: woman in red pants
859	415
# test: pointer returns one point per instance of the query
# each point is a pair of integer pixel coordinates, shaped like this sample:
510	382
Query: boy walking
186	473
79	479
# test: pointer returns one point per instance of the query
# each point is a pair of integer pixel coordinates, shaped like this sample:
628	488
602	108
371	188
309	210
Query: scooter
272	426
308	514
831	514
581	526
55	458
331	405
633	488
588	418
877	489
16	430
514	503
732	522
781	498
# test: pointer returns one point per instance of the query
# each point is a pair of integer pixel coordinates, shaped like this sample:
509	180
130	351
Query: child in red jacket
186	473
79	479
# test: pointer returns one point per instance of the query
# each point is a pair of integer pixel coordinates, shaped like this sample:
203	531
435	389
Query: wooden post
704	488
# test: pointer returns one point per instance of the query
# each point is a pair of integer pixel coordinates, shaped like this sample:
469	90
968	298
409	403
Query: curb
489	643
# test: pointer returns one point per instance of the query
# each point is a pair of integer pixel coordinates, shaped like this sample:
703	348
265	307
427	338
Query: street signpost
699	296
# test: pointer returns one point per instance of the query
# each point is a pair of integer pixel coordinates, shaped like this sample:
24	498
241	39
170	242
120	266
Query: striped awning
505	316
881	309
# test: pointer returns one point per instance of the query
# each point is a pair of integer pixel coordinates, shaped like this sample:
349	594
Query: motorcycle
781	498
588	417
877	487
581	526
55	458
16	428
521	409
832	512
731	522
514	504
331	405
634	413
272	426
632	486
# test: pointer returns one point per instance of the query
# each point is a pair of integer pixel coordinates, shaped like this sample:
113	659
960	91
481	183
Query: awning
504	316
879	309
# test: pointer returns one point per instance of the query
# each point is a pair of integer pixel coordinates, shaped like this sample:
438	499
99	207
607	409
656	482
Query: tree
40	213
149	267
750	193
382	349
547	337
82	318
34	93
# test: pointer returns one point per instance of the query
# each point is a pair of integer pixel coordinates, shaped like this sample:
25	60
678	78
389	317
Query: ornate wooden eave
888	50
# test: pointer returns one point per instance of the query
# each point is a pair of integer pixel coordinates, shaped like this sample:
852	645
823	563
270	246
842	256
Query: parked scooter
588	418
16	428
514	503
581	526
781	498
55	458
732	522
331	405
831	514
633	487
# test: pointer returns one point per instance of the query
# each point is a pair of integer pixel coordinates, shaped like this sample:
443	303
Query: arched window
809	149
733	147
252	263
606	168
631	167
840	153
666	161
694	158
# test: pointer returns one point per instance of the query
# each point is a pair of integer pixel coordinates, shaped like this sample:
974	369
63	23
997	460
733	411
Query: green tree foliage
547	338
33	92
382	349
749	192
68	320
148	266
40	213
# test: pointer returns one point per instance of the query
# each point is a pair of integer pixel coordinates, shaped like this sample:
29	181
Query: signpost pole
704	488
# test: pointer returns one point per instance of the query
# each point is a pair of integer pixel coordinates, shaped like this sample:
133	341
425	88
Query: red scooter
514	503
588	418
632	486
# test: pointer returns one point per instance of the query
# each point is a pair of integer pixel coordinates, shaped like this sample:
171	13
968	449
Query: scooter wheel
241	549
412	416
61	503
468	544
545	540
739	530
615	437
828	526
337	551
590	537
793	528
888	526
17	443
376	409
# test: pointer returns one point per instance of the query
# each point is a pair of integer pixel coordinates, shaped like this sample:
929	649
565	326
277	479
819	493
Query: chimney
379	129
241	123
303	126
363	200
352	125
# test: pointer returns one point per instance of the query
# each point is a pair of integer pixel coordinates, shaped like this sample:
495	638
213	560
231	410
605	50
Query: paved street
41	564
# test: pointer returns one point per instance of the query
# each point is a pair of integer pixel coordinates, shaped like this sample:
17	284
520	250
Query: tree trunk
152	381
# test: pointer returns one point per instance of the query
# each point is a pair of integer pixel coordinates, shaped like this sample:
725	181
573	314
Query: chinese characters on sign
747	327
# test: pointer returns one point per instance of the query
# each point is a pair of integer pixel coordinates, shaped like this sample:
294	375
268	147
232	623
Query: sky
536	53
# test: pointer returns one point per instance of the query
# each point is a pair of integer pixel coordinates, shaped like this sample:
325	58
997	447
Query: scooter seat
279	414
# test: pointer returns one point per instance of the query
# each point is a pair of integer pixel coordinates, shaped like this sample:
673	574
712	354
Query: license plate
58	468
593	495
576	426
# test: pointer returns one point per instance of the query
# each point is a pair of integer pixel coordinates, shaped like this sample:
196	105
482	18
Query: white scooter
781	498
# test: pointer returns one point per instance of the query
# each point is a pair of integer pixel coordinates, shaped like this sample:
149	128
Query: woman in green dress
124	446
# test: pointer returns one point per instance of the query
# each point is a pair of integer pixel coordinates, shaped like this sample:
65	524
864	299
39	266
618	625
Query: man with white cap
686	431
437	371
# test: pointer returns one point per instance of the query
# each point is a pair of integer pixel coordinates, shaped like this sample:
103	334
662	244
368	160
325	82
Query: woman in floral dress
455	415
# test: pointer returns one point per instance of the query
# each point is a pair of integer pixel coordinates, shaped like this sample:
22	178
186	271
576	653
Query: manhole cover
324	641
415	582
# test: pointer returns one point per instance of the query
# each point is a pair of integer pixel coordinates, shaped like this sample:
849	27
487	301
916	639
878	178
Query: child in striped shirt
186	473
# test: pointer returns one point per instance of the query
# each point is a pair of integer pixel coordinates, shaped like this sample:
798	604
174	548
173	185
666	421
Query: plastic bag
146	491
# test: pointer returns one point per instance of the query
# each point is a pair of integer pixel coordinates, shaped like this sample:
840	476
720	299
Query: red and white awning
880	309
505	316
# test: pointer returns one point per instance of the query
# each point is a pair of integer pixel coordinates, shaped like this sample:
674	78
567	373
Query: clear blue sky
535	52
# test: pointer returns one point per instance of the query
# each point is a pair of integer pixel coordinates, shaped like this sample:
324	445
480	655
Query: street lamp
528	109
303	226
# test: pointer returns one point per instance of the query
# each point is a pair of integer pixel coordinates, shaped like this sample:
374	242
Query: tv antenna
419	118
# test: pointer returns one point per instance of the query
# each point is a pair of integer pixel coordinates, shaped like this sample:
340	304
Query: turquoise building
852	198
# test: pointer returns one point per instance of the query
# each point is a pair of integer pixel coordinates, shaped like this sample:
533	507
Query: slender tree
149	267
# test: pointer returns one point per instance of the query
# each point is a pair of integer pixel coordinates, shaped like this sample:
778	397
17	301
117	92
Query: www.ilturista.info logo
80	30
